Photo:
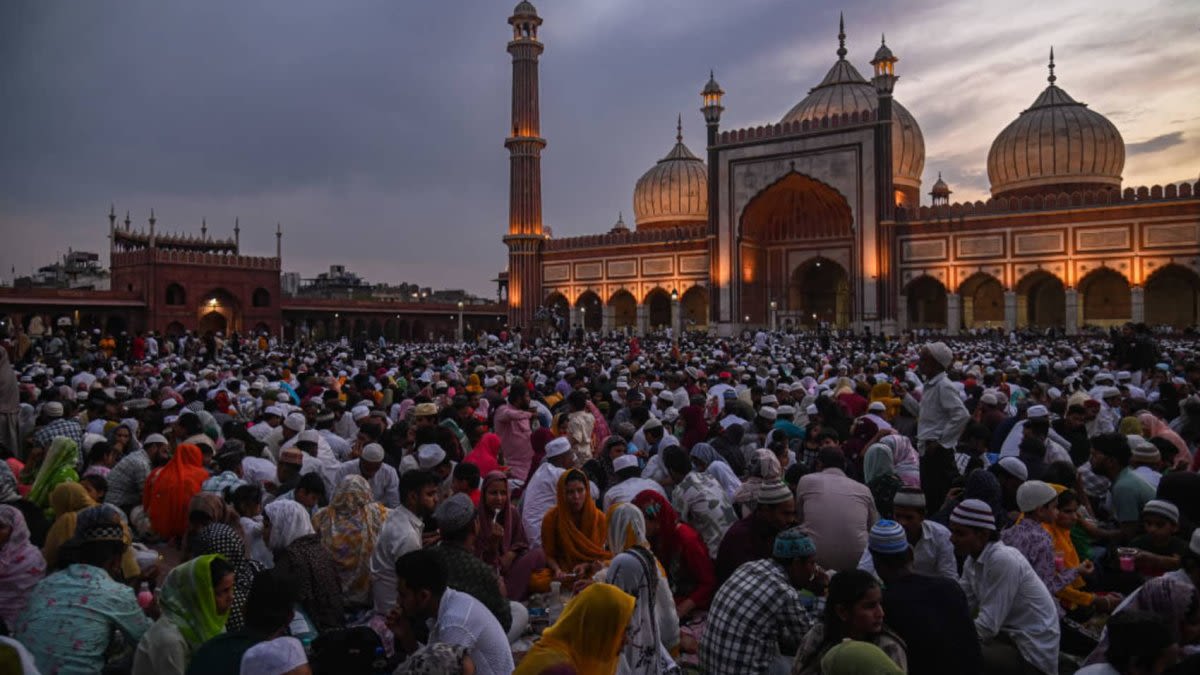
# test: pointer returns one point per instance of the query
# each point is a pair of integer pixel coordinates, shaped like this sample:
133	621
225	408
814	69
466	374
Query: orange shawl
169	491
573	540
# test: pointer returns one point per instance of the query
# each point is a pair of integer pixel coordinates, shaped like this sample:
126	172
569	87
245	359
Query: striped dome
674	191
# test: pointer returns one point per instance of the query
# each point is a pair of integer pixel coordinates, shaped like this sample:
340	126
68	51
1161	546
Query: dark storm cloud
1155	144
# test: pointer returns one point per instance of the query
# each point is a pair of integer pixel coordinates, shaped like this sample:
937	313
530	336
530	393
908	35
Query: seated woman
573	530
1174	600
300	557
74	614
348	529
706	459
21	565
587	638
195	600
853	610
205	509
501	541
68	500
10	495
654	628
57	468
879	473
221	539
169	491
690	572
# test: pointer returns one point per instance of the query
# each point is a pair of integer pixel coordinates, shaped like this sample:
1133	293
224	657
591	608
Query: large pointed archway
1041	301
222	304
694	305
794	214
926	300
819	293
589	306
1173	297
1105	300
658	309
982	301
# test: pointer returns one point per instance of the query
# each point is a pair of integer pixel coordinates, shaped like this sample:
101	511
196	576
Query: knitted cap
1162	507
794	543
974	513
776	492
887	536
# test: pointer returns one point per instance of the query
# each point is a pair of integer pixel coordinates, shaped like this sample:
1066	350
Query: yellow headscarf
67	500
588	635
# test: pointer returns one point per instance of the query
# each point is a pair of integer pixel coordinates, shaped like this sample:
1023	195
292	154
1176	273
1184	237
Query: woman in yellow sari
587	638
573	532
882	392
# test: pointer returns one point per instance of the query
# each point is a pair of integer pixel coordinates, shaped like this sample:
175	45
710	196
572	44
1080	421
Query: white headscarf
289	522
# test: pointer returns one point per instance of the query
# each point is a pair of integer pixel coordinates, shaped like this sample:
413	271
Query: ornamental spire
679	129
1052	78
841	52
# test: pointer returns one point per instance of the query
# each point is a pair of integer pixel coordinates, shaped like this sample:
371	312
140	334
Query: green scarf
58	467
187	601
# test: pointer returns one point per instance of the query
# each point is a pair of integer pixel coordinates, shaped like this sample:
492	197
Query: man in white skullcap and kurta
541	493
941	421
385	482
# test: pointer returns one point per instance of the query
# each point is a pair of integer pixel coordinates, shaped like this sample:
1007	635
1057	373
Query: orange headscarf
571	540
169	491
587	637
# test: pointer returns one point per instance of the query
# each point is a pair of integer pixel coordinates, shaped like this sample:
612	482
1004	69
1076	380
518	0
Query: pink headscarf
21	566
1159	429
904	457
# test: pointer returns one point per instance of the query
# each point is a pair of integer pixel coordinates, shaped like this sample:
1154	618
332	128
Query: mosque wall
841	158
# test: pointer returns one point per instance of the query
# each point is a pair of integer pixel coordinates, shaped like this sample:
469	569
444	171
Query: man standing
759	608
942	419
1015	615
580	424
514	426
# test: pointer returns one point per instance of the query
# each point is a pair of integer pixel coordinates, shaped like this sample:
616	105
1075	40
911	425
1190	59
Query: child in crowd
1159	550
466	480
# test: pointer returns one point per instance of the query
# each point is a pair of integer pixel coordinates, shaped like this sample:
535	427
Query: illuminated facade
817	219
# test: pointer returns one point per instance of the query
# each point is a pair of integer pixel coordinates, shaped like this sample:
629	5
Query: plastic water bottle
144	596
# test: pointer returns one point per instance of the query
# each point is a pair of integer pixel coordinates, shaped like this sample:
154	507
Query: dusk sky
373	129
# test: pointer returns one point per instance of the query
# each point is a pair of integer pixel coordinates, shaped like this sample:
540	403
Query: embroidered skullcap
455	513
1033	494
768	413
430	455
887	536
625	462
154	439
425	410
989	398
793	543
652	423
372	452
1037	412
52	409
557	446
1162	508
1143	449
974	513
775	492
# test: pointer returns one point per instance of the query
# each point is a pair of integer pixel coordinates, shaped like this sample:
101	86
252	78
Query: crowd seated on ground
809	503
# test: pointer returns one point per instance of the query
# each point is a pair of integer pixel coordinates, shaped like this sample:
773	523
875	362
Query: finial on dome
679	129
1052	78
883	39
841	52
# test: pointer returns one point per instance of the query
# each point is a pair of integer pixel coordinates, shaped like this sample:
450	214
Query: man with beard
128	477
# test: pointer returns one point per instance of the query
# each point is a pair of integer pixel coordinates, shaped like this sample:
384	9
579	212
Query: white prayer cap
625	462
557	447
730	420
270	410
359	412
768	413
811	410
309	436
940	353
154	439
1037	412
274	657
876	407
430	455
372	452
786	411
295	421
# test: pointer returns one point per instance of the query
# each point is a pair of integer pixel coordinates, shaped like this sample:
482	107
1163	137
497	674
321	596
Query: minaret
237	235
525	145
278	241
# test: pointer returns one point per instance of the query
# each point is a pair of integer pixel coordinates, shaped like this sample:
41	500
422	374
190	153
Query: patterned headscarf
21	565
8	485
348	528
223	540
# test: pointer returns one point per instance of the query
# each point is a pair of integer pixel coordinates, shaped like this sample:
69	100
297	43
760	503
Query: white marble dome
1058	144
674	191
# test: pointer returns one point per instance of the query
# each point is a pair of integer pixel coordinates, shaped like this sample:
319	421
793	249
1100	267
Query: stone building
818	220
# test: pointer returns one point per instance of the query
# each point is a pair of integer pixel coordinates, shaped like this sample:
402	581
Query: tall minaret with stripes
524	238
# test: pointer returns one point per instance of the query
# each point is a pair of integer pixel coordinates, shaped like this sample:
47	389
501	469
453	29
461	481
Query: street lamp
674	317
460	321
774	307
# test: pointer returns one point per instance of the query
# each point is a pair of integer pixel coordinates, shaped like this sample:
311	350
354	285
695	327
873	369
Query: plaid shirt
223	480
754	613
64	426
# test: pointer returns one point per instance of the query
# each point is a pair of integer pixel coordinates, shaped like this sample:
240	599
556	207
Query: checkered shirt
755	613
64	426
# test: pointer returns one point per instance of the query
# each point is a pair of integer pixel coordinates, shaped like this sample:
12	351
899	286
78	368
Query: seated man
1015	615
932	552
630	483
760	609
456	618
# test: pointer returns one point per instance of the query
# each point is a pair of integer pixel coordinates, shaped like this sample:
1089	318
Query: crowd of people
815	504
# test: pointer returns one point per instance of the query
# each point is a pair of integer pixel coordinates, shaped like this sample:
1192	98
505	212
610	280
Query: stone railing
1047	202
630	238
791	128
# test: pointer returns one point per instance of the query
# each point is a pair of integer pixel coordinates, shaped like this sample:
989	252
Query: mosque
818	220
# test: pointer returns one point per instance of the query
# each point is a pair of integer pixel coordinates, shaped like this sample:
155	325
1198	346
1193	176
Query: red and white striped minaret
524	238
